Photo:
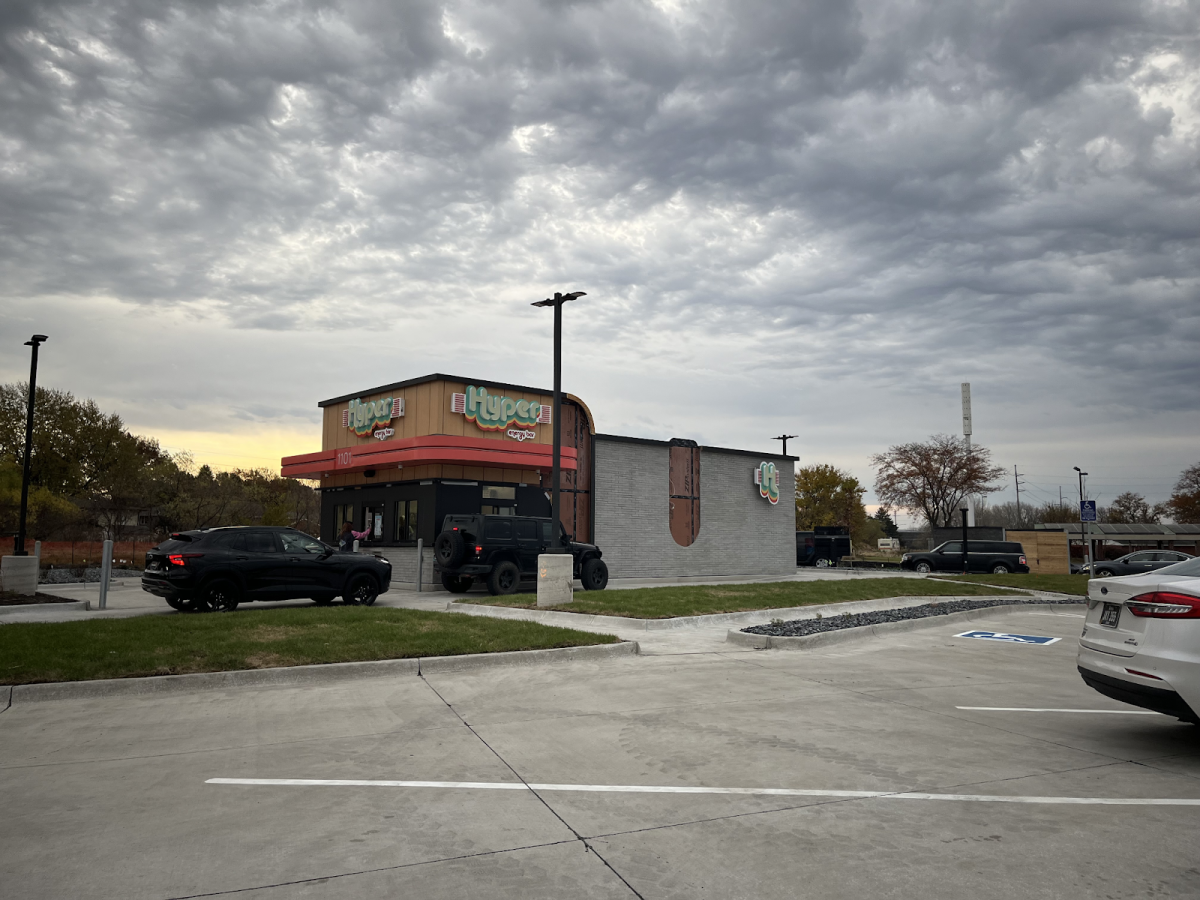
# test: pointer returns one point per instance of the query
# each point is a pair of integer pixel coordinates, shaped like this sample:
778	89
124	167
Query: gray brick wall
740	532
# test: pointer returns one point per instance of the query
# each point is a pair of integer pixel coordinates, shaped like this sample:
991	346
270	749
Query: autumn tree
825	495
1184	505
934	477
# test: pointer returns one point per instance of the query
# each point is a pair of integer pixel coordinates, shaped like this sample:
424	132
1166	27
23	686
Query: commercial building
396	460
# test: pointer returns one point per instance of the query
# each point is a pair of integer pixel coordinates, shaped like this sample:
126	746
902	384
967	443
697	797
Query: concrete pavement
109	797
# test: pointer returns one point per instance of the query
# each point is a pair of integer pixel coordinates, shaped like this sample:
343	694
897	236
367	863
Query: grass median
182	644
1062	584
700	600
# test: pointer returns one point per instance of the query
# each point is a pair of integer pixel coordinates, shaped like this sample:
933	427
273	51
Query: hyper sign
1008	638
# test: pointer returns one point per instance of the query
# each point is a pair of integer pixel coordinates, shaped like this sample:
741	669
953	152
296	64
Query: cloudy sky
812	216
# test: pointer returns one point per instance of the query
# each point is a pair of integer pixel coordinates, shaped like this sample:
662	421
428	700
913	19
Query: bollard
105	573
37	553
420	561
356	546
555	579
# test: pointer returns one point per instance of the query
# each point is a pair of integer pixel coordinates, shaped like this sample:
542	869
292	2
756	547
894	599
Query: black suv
215	569
504	550
997	557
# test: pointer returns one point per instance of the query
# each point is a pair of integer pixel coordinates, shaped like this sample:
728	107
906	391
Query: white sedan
1141	639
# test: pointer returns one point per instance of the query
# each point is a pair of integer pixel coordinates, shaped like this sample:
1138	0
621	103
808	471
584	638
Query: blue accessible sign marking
1008	638
1087	510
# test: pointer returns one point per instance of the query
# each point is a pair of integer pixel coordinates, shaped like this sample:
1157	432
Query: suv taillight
1023	562
180	559
478	550
1164	605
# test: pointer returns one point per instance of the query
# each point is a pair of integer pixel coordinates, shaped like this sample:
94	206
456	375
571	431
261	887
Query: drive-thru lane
917	765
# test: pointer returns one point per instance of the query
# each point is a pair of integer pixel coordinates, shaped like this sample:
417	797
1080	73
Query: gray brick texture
740	532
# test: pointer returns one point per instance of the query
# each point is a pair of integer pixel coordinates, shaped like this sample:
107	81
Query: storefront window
406	521
342	513
684	480
499	500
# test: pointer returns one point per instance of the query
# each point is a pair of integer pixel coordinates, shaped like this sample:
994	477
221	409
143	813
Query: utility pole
1017	480
784	438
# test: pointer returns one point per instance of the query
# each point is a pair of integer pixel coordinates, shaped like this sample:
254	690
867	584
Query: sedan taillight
180	559
1164	605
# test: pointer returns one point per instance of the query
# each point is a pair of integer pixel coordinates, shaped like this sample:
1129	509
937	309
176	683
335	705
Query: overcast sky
816	217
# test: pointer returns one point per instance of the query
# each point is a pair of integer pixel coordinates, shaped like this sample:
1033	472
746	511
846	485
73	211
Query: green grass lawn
178	644
1063	584
699	600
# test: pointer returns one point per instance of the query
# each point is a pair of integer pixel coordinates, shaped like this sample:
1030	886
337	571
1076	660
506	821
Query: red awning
430	449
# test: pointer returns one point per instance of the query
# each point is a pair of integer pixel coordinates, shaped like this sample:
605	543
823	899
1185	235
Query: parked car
1141	639
996	557
1137	563
823	546
504	551
215	569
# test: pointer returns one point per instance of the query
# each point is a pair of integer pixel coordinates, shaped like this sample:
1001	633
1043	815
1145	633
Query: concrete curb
329	673
14	612
749	617
847	635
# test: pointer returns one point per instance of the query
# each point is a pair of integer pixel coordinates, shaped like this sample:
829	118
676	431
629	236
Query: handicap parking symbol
1008	638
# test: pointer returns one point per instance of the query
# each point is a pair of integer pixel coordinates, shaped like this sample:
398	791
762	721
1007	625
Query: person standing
348	536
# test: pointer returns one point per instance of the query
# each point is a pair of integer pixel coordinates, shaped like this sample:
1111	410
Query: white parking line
1108	712
676	789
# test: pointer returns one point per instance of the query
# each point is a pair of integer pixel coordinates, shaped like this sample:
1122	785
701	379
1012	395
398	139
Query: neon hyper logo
766	476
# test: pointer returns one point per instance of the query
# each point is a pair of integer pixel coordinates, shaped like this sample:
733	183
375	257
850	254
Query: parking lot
115	796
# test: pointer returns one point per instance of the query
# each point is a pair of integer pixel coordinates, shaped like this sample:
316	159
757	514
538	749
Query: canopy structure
1122	533
436	448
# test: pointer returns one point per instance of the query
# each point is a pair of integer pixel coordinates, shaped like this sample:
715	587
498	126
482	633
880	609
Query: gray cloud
820	212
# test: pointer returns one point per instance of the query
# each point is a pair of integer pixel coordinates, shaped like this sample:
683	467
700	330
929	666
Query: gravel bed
801	627
78	574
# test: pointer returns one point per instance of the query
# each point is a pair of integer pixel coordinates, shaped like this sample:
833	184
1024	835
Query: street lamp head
36	339
559	298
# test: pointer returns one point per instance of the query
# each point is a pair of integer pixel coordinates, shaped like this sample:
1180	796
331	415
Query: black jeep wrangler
504	550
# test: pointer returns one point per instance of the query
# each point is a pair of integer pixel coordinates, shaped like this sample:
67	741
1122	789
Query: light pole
34	342
784	438
555	472
1083	528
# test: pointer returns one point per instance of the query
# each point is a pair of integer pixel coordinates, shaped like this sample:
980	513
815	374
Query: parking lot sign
1087	510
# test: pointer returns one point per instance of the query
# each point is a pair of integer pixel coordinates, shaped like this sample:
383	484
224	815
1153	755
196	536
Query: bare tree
935	477
1132	508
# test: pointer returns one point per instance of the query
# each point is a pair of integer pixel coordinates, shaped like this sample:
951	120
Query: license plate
1110	615
152	567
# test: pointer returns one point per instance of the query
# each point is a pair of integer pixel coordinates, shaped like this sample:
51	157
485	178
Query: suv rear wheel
504	579
594	575
999	569
219	595
457	584
449	549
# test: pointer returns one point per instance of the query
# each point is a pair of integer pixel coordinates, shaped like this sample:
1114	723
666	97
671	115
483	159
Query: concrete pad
119	782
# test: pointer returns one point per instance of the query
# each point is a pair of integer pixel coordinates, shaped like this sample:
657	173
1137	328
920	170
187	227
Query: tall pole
1083	528
555	426
33	342
556	422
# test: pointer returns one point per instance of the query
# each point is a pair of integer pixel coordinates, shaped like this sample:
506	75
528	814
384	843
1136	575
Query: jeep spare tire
449	549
